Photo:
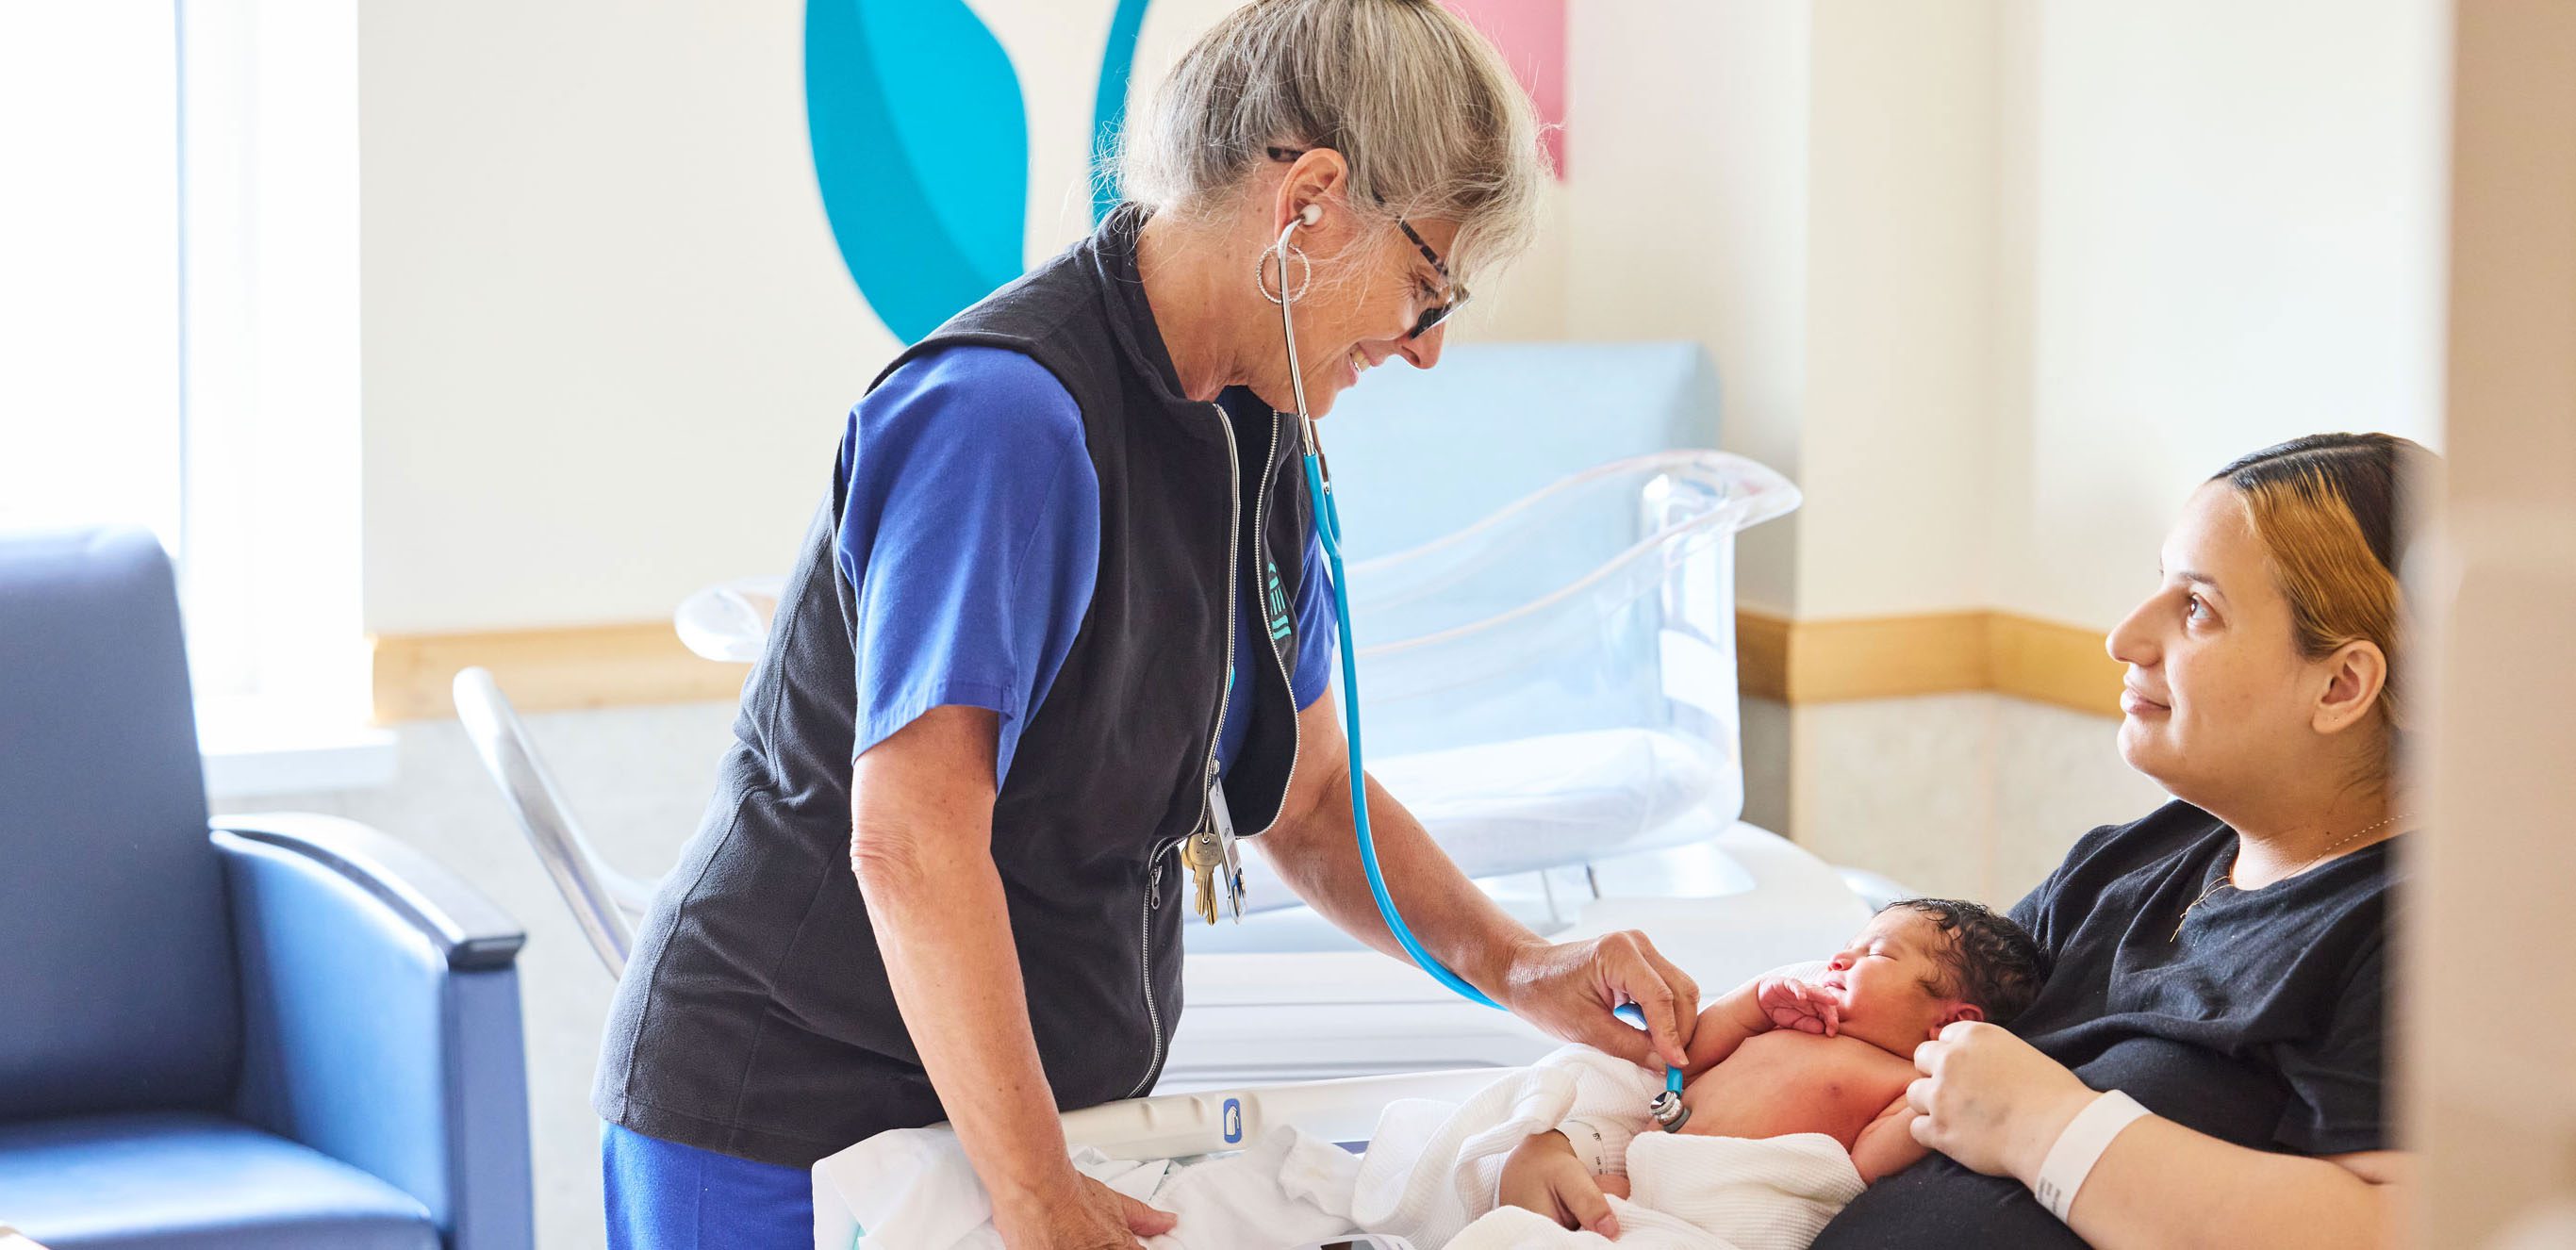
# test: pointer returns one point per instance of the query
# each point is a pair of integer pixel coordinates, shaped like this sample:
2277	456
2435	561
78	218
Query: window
179	318
89	266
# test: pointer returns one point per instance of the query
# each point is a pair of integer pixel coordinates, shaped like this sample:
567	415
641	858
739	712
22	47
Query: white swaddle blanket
1429	1176
1432	1169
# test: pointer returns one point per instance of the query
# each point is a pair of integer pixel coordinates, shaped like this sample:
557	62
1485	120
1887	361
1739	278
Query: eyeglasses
1433	315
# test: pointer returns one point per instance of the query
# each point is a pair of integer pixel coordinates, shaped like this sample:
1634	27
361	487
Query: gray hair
1422	109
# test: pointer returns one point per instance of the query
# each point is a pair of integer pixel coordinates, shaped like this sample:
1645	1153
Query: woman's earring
1261	275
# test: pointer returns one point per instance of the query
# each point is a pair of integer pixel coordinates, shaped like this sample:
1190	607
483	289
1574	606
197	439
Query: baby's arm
1758	1006
1546	1175
1886	1145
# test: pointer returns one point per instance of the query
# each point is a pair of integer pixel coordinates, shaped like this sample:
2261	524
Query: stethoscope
1667	1107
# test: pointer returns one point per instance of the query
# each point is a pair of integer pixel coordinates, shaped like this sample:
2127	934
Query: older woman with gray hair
1061	613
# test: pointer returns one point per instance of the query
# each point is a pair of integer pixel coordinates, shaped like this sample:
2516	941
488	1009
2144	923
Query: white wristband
2080	1147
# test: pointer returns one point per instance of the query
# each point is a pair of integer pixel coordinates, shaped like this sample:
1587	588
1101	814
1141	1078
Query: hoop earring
1261	275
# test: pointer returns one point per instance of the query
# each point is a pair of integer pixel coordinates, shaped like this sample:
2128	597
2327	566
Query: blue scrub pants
665	1196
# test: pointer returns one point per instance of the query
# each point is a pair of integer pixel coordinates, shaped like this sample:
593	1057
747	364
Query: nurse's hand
1086	1216
1990	1100
1570	990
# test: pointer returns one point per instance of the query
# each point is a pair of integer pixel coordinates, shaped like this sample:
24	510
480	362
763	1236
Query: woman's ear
2355	675
1311	190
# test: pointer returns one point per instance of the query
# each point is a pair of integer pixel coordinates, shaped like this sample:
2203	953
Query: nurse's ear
1314	183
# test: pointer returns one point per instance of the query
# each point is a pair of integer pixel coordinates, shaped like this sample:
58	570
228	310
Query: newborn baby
1781	1056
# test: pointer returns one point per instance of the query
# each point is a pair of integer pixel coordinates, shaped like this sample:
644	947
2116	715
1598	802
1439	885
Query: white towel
1430	1176
913	1189
1432	1169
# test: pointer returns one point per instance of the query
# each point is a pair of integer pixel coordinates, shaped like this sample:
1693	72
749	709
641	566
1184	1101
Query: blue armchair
282	1032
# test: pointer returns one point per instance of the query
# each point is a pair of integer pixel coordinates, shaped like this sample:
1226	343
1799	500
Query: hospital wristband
2080	1146
1602	1148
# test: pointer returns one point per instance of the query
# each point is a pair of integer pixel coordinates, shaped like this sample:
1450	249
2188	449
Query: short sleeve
1317	641
2336	1080
970	535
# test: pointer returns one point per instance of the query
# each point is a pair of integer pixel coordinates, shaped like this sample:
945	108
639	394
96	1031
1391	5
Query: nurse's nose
1423	351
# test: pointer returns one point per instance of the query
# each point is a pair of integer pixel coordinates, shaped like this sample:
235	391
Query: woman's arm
1994	1103
921	805
2163	1185
1569	990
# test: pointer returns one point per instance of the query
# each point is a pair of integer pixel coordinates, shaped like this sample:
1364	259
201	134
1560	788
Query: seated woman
2223	961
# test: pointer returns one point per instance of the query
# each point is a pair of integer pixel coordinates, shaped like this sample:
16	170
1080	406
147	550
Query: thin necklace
2226	880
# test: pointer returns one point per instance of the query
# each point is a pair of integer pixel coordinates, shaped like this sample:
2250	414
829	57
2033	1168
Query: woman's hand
1543	1175
1571	989
1990	1100
1789	1003
1085	1215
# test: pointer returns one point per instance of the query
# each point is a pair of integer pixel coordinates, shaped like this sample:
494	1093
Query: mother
2223	961
1060	610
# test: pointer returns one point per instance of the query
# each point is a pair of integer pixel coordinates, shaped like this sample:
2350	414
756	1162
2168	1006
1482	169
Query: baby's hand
1543	1175
1793	1004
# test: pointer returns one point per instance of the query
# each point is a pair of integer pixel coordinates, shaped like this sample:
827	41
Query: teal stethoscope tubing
1328	527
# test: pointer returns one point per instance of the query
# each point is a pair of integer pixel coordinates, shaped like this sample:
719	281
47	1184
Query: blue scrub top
971	531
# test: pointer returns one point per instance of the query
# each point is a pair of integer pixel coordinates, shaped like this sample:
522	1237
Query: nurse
1060	606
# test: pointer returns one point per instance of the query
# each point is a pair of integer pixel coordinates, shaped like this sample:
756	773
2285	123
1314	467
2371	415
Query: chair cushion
191	1181
114	943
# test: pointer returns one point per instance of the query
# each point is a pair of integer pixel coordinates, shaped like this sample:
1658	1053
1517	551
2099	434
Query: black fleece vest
755	1017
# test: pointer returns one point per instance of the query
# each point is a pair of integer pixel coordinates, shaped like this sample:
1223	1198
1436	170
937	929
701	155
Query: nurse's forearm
2161	1186
920	848
1456	922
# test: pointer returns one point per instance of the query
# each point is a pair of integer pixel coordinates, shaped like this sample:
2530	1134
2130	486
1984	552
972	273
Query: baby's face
1883	980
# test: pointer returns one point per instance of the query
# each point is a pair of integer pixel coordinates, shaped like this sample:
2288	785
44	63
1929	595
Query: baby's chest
1782	1083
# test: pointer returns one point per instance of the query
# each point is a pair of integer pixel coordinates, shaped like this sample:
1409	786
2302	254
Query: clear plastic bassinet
1555	684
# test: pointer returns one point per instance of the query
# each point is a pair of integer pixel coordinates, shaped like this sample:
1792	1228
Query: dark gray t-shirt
2262	1025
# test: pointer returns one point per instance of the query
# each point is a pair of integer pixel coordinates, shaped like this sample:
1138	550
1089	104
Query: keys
1202	854
1230	871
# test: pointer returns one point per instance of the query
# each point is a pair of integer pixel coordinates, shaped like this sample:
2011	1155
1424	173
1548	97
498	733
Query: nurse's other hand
1092	1216
1990	1100
1570	989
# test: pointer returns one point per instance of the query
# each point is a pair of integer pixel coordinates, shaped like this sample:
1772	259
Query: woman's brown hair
2330	511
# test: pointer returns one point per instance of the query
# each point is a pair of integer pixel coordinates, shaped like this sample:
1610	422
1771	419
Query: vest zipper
1261	537
1153	1017
1225	692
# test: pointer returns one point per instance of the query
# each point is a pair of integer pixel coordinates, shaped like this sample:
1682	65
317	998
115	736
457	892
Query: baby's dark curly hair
1992	962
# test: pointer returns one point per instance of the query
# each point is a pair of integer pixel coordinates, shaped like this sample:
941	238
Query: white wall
1686	215
2226	231
607	340
1900	333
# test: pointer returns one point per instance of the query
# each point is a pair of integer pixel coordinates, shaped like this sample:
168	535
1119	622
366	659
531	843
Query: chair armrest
467	929
380	1017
